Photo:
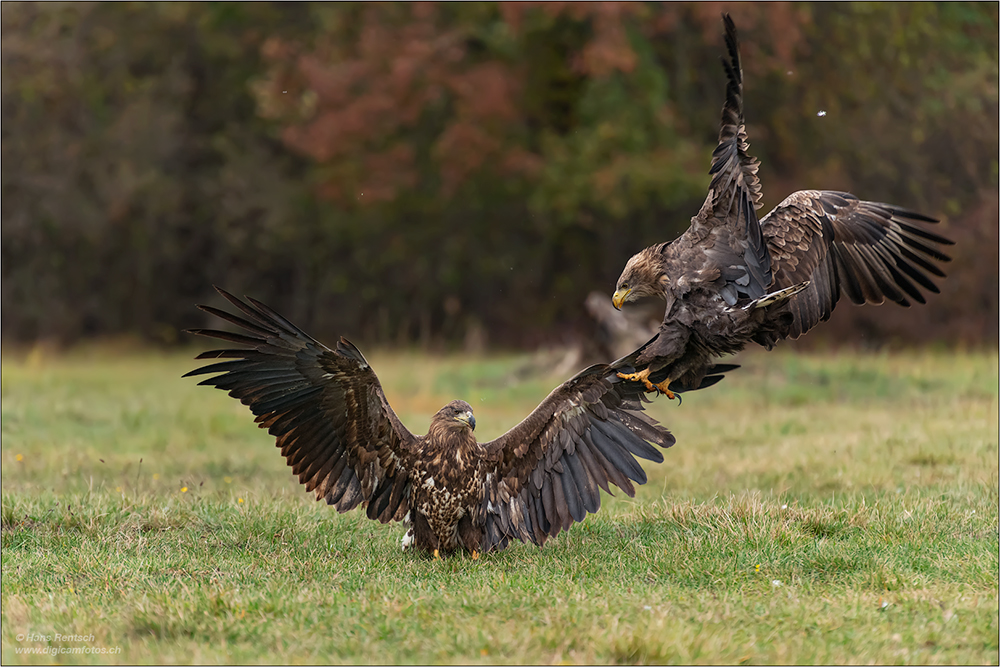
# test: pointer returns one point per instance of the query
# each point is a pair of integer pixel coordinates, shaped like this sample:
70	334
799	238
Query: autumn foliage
460	171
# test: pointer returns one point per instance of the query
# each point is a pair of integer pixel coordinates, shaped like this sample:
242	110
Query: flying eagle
336	430
730	279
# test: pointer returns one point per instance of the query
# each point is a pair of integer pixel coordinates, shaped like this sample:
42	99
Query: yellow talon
475	555
664	388
643	377
437	556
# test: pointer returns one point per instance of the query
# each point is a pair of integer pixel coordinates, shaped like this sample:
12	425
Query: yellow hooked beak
618	298
467	418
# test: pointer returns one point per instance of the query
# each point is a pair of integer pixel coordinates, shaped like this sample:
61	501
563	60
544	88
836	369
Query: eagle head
641	276
457	415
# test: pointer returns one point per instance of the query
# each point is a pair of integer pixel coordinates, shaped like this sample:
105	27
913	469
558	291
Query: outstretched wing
870	251
550	468
325	407
730	210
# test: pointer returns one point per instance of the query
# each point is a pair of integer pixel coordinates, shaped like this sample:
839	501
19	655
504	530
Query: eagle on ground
336	430
730	279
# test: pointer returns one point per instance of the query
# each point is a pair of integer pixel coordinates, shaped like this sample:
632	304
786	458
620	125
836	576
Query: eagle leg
643	377
475	555
437	555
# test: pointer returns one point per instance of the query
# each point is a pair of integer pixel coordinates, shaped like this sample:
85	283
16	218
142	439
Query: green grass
816	509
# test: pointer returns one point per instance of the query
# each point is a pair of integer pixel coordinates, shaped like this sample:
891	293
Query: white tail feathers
773	298
407	540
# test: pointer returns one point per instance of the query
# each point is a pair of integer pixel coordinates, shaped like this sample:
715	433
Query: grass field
816	509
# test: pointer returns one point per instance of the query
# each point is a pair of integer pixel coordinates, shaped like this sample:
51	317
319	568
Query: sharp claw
437	556
475	555
664	388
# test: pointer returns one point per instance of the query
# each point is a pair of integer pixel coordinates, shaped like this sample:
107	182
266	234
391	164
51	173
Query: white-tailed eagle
731	279
336	430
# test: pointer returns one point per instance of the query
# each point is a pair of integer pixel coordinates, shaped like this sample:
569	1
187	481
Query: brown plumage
730	279
336	430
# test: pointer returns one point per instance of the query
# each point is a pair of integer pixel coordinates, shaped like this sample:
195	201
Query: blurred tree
136	164
423	171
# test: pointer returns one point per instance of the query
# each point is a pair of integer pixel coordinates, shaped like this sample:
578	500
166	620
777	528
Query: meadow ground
838	508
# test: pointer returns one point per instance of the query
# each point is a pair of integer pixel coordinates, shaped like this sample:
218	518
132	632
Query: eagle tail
777	297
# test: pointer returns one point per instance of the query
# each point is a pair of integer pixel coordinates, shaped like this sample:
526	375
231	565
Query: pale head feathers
642	274
456	416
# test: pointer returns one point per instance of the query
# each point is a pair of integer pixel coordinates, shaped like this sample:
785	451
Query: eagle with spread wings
731	278
338	433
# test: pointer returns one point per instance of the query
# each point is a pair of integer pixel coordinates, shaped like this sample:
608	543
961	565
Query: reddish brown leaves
408	96
400	97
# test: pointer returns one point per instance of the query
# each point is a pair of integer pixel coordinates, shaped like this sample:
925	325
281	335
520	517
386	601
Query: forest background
461	174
